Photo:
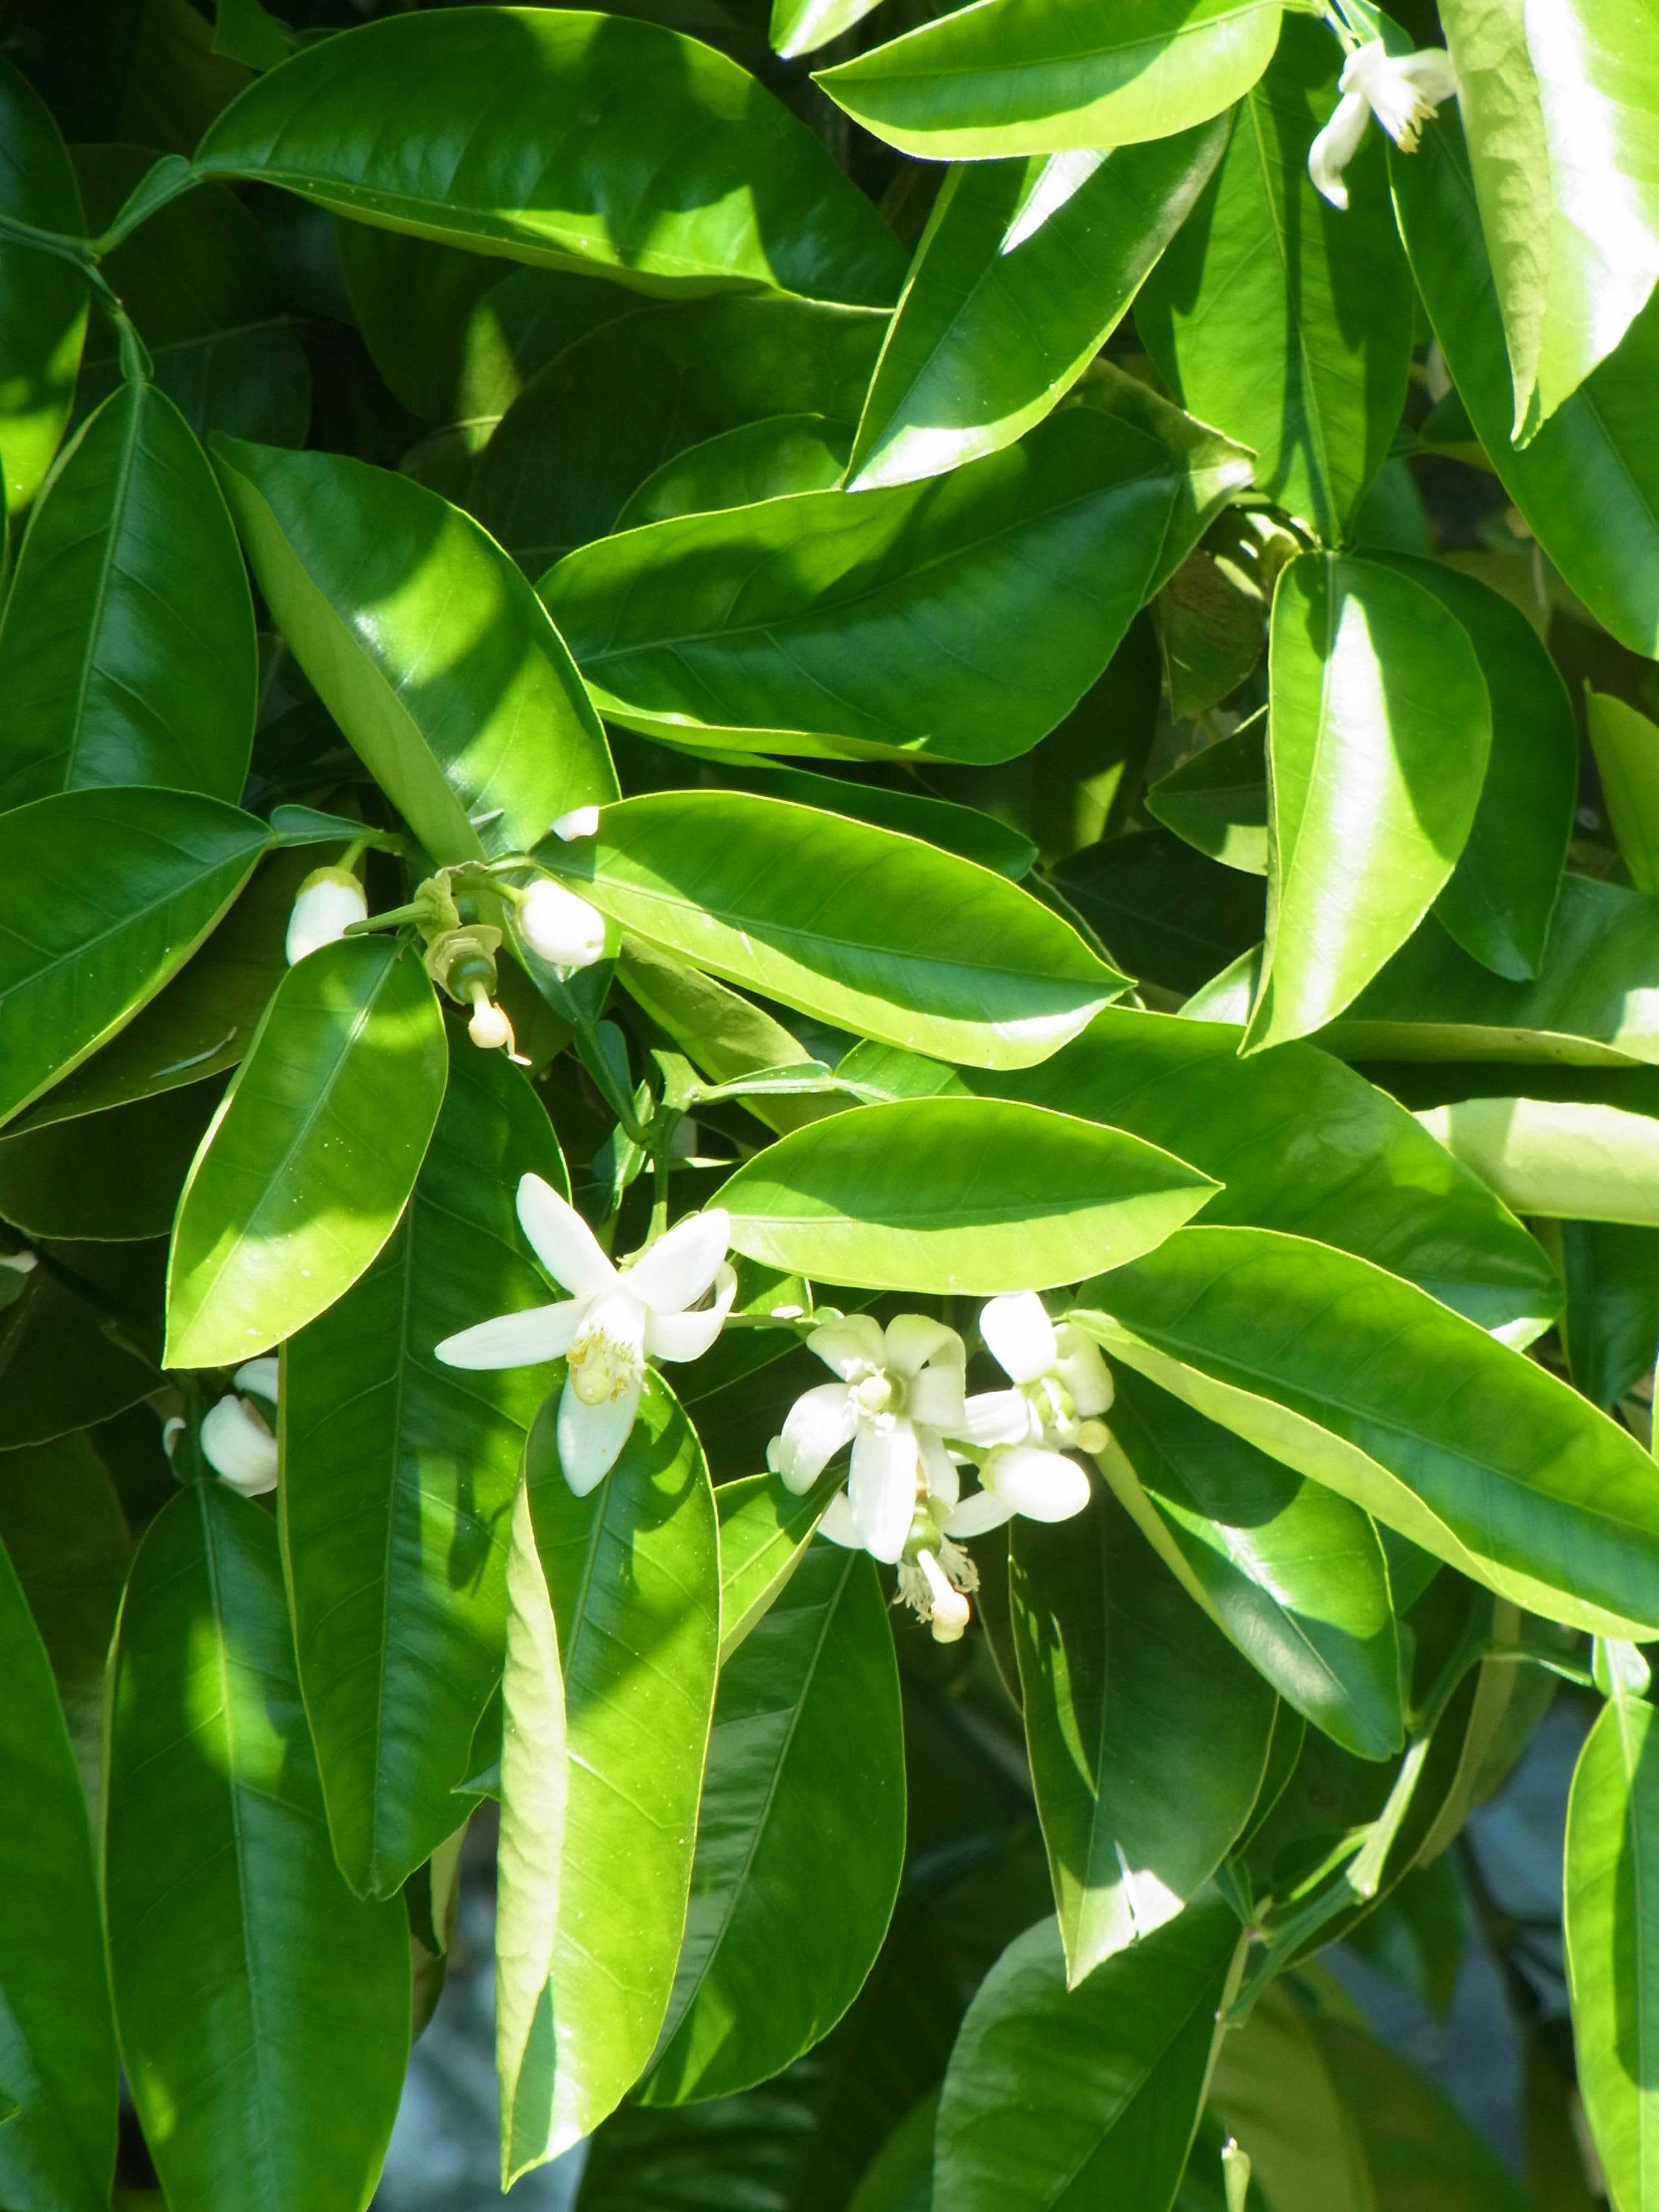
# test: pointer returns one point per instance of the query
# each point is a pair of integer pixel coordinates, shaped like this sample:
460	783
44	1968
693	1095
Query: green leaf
114	1174
633	1573
616	404
1562	117
56	2041
1588	482
1364	1383
1167	913
1501	898
43	300
800	26
1275	2090
1024	272
778	455
749	197
1612	1322
1378	734
799	1837
64	1361
725	1035
127	652
900	942
1294	1574
309	1161
1147	1733
960	829
1058	2101
424	643
1423	2155
202	285
1560	1158
1217	800
959	619
1613	1950
397	1477
231	1932
1035	76
764	1532
957	1194
104	894
1298	1142
1626	748
1282	320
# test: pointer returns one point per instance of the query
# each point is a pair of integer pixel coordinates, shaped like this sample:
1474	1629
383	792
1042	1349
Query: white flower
900	1392
615	1319
23	1263
1061	1386
560	927
237	1443
329	900
488	1029
580	822
1402	91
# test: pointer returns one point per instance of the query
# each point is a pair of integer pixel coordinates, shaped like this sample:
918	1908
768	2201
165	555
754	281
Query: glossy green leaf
1378	734
960	829
43	300
906	944
424	643
1217	800
773	459
1626	748
56	2041
750	197
1058	2101
957	1195
103	896
1561	109
764	1532
1275	2092
309	1161
1613	1940
1366	1385
801	1835
1564	1159
959	619
398	1475
633	1574
101	1176
1588	482
201	286
616	405
1282	320
127	652
1293	1573
232	1935
1164	911
1041	76
1611	1326
798	26
1212	616
1024	272
1147	1733
62	1362
1298	1143
1501	898
725	1036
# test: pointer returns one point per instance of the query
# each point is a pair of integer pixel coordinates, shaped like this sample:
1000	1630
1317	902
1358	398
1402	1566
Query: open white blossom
614	1320
1402	91
899	1394
1061	1387
327	903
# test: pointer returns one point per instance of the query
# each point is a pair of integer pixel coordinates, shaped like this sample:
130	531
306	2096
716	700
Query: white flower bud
238	1447
172	1429
488	1029
560	927
329	900
21	1263
580	822
259	1376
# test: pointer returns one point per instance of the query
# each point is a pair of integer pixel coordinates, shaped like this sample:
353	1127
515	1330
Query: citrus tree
829	983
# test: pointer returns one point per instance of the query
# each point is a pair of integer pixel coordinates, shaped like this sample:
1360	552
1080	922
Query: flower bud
23	1263
950	1611
488	1029
329	900
560	927
258	1376
580	822
238	1447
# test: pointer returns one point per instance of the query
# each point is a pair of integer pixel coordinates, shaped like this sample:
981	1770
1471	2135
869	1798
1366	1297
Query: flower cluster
900	1404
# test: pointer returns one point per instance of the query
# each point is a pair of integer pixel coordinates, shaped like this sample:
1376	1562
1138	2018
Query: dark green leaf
114	1174
1217	800
1612	1321
772	459
1161	908
77	1344
764	1532
43	300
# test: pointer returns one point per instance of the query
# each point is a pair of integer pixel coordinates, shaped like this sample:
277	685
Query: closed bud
329	901
238	1445
560	927
488	1029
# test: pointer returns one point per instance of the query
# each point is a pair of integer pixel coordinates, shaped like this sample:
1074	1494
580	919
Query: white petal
935	1397
689	1335
590	1437
1043	1486
238	1447
1336	146
938	1466
580	822
563	1243
516	1340
562	928
913	1340
815	1428
328	900
1083	1371
848	1346
1429	70
678	1267
882	1486
259	1376
1019	1336
979	1513
838	1524
172	1429
996	1417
